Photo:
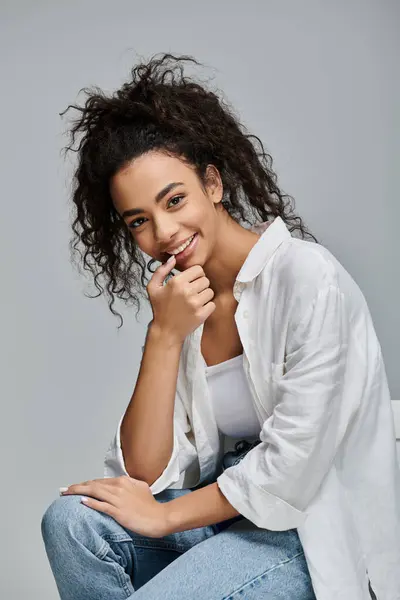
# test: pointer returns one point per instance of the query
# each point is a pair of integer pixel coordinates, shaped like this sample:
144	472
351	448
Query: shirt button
246	314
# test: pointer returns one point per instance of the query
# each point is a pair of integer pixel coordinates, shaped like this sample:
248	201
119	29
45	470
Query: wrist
166	525
163	337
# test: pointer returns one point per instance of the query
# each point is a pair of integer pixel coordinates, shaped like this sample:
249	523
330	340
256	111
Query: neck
233	245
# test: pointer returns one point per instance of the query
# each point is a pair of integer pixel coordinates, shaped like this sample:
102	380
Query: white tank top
231	399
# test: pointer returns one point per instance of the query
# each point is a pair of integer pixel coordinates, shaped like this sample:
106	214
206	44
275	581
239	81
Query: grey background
316	81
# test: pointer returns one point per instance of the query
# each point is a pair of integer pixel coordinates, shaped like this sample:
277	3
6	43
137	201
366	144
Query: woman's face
163	204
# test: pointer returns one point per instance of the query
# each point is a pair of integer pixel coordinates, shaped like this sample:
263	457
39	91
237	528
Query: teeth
181	248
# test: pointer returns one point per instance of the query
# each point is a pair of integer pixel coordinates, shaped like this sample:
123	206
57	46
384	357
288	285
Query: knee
61	516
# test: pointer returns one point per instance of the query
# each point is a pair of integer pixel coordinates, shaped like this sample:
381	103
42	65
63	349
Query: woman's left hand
129	501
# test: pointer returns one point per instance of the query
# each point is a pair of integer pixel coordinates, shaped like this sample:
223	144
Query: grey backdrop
317	81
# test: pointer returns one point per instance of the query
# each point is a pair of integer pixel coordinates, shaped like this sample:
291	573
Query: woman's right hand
183	303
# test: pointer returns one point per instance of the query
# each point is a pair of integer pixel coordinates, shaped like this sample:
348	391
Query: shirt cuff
256	504
114	464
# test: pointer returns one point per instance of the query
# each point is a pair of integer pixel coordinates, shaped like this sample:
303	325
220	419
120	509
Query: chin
189	263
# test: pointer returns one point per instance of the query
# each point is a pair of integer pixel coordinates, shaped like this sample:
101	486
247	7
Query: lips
180	244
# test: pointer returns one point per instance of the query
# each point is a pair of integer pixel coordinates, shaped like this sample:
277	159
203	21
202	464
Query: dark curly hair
160	109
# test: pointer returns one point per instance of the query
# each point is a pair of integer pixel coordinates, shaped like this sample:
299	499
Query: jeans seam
123	583
157	546
101	554
102	551
154	545
139	543
251	583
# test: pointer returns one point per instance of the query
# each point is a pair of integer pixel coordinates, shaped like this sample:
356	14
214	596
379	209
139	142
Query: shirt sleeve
274	483
183	453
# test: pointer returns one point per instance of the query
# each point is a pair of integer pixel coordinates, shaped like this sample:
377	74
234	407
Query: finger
64	491
200	284
205	296
103	507
111	481
162	271
208	309
95	490
191	274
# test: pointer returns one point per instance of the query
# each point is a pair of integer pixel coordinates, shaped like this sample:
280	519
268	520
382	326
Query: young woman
259	337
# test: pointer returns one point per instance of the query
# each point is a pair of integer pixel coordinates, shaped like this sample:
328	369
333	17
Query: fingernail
63	489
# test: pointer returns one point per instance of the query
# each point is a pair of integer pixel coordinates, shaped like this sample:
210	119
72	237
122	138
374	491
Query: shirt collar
273	233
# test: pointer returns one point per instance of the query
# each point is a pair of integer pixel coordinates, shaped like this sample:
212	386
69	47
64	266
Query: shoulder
303	266
300	273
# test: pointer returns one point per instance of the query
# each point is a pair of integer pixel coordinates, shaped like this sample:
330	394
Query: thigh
152	555
243	561
102	553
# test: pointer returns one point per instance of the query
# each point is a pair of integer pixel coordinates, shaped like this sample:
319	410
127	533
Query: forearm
147	426
202	507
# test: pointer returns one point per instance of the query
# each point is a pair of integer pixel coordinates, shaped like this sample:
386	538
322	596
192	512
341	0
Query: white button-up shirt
327	462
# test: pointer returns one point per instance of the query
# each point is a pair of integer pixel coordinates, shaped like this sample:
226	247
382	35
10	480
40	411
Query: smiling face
163	204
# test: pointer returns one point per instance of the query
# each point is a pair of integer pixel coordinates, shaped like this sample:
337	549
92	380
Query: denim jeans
93	557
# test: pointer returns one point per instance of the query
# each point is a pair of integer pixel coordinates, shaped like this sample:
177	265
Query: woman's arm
200	508
275	482
147	426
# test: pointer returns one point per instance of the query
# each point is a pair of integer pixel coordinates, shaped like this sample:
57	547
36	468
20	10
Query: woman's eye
133	224
175	198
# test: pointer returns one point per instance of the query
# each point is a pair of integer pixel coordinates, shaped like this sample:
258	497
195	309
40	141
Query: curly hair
160	109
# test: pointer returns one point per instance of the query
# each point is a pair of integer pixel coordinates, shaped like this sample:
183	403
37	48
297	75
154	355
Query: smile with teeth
182	247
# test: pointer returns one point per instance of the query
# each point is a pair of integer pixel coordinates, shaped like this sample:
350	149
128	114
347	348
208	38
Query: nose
165	228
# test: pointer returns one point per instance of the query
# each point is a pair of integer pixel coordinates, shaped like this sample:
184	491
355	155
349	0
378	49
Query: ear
215	188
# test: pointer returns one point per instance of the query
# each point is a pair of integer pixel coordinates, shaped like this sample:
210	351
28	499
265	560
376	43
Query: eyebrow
136	211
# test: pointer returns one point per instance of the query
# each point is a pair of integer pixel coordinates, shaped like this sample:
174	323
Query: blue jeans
93	557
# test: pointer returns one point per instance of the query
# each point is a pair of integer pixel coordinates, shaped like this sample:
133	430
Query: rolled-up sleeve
183	454
274	483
